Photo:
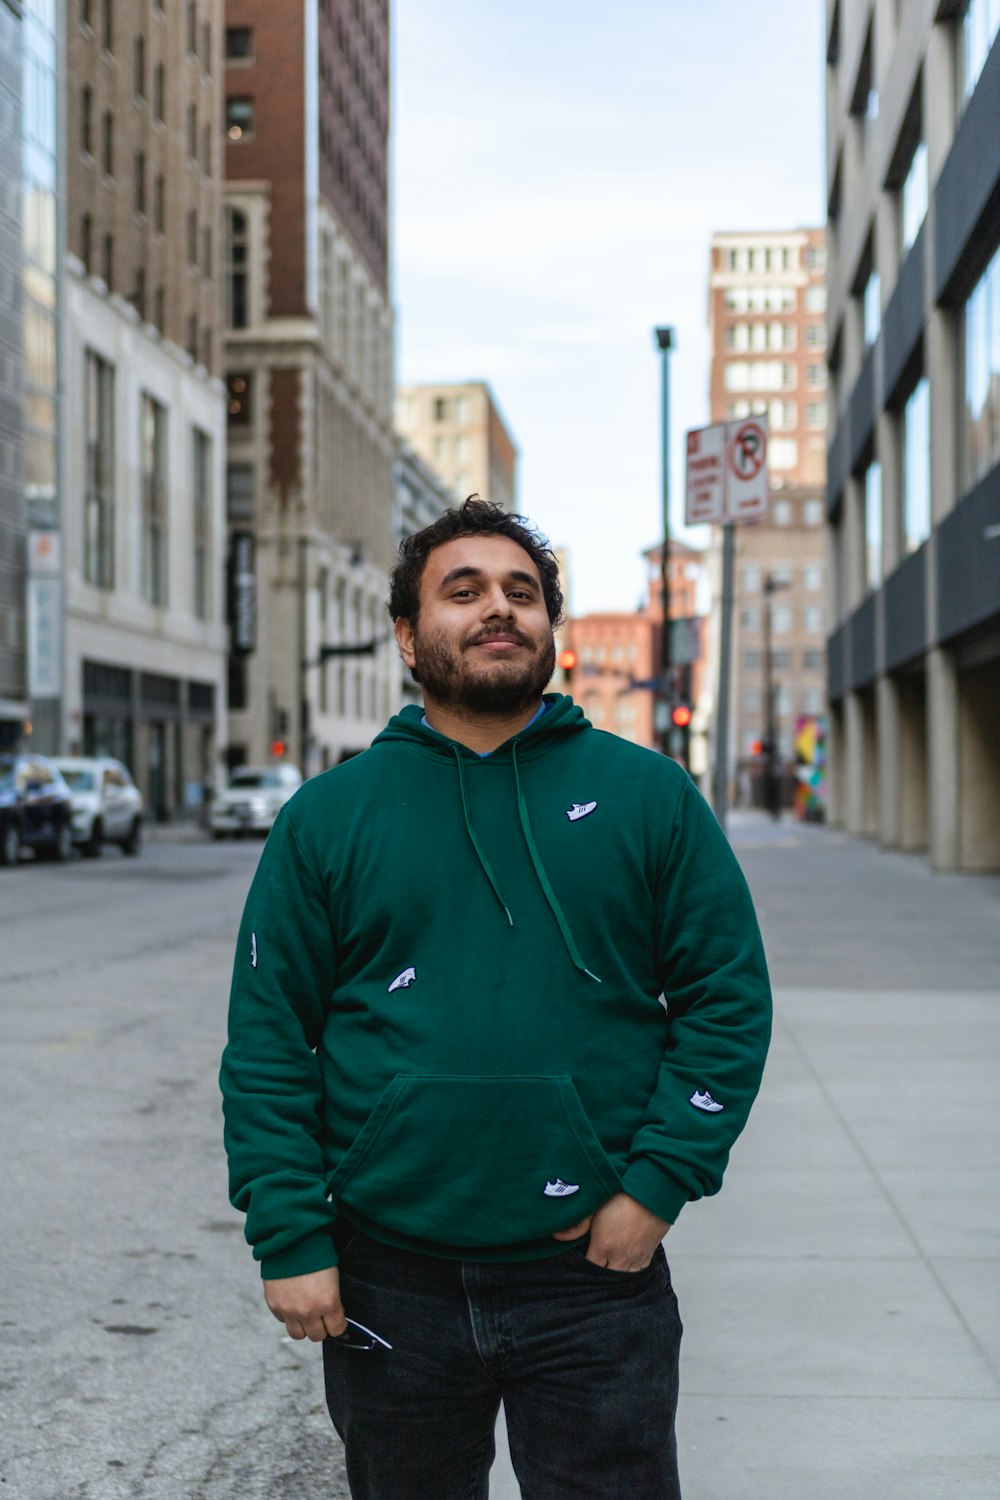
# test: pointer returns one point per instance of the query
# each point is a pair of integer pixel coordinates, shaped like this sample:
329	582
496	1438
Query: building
14	709
767	305
421	498
142	533
618	654
913	492
460	432
311	493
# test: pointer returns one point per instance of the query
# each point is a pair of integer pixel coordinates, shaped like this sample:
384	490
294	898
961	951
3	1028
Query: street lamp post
666	340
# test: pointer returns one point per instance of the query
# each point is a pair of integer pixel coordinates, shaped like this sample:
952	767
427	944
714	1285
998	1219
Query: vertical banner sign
44	614
243	593
705	475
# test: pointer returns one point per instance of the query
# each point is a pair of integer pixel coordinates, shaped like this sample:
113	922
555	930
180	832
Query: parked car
107	804
36	809
252	800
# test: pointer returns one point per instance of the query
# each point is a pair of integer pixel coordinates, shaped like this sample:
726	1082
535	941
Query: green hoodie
475	997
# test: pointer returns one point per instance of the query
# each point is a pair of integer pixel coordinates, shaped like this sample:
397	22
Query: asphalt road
138	1358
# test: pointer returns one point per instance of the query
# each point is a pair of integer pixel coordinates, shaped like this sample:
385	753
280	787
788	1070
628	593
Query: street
841	1297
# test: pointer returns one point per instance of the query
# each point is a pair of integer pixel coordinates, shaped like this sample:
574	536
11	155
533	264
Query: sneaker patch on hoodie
706	1102
403	979
253	950
580	810
560	1189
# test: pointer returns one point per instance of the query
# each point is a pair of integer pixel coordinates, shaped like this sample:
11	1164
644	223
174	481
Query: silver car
107	804
253	799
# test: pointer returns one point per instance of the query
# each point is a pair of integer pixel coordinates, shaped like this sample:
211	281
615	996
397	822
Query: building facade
913	494
311	493
143	542
460	431
14	709
767	322
421	497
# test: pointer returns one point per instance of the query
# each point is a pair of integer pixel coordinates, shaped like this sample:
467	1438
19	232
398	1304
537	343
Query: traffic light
681	716
566	660
277	749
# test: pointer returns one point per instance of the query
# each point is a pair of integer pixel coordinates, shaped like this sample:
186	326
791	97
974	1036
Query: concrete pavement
841	1296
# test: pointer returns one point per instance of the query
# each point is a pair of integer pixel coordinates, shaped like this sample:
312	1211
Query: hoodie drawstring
472	836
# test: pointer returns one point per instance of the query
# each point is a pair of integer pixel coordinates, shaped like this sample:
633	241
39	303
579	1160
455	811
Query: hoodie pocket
476	1161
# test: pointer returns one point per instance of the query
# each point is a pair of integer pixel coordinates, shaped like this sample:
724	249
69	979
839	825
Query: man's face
482	640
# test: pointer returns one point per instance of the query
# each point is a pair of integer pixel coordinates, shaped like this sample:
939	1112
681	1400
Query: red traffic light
567	659
277	749
681	716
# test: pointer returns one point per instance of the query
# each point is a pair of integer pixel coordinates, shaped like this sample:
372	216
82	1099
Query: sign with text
727	479
243	592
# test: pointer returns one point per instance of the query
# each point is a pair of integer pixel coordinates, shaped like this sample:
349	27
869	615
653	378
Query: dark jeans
584	1359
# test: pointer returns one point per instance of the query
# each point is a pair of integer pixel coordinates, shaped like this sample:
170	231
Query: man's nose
497	605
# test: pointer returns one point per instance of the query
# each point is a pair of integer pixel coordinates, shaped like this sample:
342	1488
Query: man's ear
404	640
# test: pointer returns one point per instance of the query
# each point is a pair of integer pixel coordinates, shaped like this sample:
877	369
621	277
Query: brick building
309	367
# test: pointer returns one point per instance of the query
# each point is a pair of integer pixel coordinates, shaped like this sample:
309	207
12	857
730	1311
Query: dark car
36	809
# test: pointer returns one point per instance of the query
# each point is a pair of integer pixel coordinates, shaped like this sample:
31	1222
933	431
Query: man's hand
309	1306
623	1234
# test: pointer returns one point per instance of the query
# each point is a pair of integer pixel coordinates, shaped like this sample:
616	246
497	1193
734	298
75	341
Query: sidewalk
841	1296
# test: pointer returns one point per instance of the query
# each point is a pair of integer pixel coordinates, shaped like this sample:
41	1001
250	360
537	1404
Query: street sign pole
666	340
720	780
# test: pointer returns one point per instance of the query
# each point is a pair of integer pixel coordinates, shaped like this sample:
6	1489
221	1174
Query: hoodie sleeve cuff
656	1190
316	1253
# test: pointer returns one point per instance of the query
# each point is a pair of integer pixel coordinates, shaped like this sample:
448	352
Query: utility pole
772	779
666	340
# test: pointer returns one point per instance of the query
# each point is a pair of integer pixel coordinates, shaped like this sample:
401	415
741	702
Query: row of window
99	492
811	660
782	575
769	375
762	336
783	619
810	700
748	258
782	416
104	24
105	151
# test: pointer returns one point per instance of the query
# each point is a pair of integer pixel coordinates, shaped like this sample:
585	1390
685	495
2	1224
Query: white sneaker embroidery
560	1189
253	950
580	810
403	980
706	1102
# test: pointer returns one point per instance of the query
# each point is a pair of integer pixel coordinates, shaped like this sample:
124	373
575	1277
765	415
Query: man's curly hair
474	517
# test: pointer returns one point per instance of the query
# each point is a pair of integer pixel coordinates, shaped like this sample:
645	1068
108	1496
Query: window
139	68
138	298
160	309
812	660
816	299
192	131
751	580
192	337
815	257
815	413
192	237
872	308
781	660
206	251
440	409
240	486
873	525
917	468
237	269
108	262
153	448
159	92
982	375
99	461
202	497
206	46
239	43
812	619
240	405
206	149
979	30
86	242
192	27
751	700
87	120
160	204
751	661
812	578
239	117
816	376
139	180
750	619
782	415
812	512
108	144
782	453
816	335
781	619
914	197
108	26
461	409
813	701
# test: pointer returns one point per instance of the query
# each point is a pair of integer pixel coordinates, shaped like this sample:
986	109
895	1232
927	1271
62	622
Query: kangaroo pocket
470	1161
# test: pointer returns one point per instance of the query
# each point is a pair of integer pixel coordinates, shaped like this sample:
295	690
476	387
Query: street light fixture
666	340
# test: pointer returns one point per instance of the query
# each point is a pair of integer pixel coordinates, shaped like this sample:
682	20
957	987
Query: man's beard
498	687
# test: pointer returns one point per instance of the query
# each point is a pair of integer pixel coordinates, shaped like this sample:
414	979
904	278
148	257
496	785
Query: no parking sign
727	473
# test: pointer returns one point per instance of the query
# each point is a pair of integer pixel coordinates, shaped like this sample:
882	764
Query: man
499	1010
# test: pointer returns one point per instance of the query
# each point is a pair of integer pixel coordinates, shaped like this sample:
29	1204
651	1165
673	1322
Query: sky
559	167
